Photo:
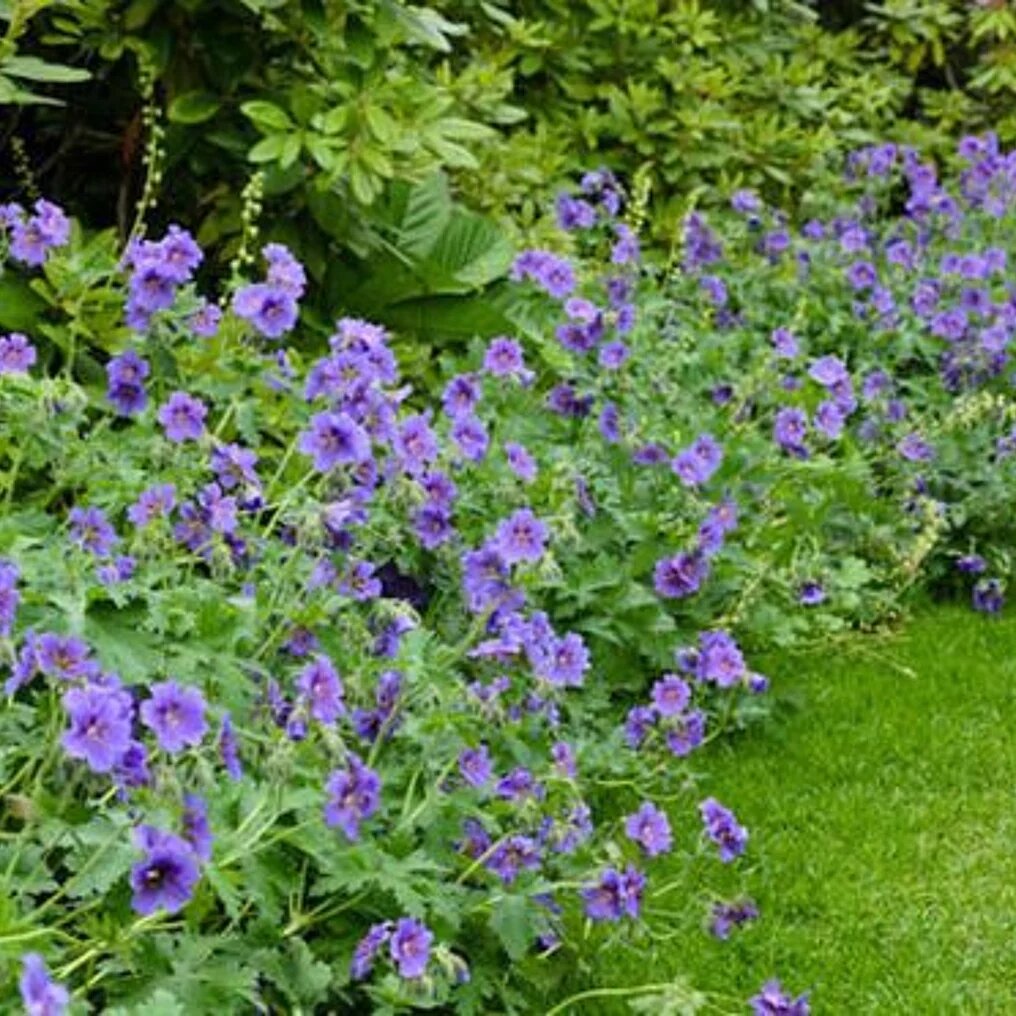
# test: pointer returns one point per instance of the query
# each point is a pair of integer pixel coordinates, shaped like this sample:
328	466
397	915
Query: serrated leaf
514	922
20	307
297	972
160	1003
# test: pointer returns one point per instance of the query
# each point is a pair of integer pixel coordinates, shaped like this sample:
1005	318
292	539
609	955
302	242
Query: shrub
347	113
704	96
340	104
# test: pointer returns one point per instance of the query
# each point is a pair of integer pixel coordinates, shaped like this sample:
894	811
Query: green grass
881	800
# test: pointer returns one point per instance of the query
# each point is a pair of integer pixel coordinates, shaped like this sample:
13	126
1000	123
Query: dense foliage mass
321	689
343	103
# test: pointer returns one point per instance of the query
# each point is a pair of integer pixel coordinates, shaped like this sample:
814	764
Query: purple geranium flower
354	794
677	577
552	274
9	596
100	725
126	376
284	270
723	829
154	502
91	531
828	371
64	657
988	596
697	463
563	756
40	994
33	238
17	354
270	308
784	343
334	439
196	830
432	524
470	436
475	766
649	828
686	733
720	520
637	725
234	466
914	448
514	855
790	429
520	462
132	769
183	417
439	487
518	786
773	1001
574	213
830	418
229	749
484	578
626	249
971	564
461	396
616	895
410	947
521	537
176	715
725	917
166	876
416	444
745	201
320	685
614	355
367	949
204	322
503	358
671	695
719	659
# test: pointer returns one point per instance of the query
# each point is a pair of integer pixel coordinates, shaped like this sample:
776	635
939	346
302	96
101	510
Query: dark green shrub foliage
337	101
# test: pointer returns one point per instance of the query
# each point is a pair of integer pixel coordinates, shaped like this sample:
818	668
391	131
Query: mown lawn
881	800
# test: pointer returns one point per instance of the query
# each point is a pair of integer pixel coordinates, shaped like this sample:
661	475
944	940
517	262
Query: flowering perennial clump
334	680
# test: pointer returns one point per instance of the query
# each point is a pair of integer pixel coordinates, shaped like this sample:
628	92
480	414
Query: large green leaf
471	250
425	247
450	318
428	211
20	307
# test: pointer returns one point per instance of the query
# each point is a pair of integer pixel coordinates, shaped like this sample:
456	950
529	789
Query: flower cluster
772	1000
409	943
272	306
32	238
158	269
723	829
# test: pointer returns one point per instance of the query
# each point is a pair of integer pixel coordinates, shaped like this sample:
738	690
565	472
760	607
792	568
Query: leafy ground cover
879	799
